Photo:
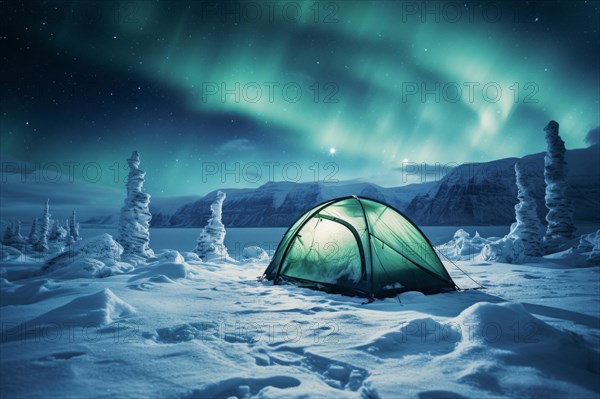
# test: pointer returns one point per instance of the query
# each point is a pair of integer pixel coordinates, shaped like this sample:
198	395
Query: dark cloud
593	136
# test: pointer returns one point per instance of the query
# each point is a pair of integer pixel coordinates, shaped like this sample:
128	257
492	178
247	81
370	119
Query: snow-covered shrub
506	250
211	242
96	257
134	224
590	243
254	252
560	208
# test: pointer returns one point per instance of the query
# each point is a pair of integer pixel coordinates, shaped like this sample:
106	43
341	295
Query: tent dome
358	246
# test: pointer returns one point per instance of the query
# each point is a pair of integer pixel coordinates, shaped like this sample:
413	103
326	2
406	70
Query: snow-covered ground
180	328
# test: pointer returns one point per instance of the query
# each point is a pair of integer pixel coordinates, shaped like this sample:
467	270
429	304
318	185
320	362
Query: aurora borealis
365	85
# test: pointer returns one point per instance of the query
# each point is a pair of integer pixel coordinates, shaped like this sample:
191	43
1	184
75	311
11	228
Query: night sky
353	88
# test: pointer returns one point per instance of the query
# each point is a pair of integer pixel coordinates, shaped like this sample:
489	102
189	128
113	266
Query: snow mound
99	247
31	292
463	247
245	387
95	310
181	333
90	268
506	332
8	253
506	250
94	257
170	256
412	296
191	257
418	336
255	252
523	337
101	308
589	244
515	336
512	249
170	266
171	270
161	278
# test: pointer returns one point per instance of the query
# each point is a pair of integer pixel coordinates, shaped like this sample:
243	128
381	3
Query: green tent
358	246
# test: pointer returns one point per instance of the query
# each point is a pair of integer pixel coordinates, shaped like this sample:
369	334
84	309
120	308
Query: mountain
485	193
278	204
469	194
161	208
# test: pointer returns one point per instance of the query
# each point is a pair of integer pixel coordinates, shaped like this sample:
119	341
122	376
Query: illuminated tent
358	246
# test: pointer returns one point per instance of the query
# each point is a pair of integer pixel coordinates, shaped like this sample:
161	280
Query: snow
94	257
176	326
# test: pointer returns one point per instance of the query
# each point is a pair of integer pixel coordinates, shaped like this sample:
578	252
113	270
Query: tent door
363	266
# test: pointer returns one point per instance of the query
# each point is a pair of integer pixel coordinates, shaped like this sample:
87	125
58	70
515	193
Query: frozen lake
237	238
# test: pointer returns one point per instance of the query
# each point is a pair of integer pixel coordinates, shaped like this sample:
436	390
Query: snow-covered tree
8	235
68	239
74	228
42	243
58	232
33	237
17	240
528	226
17	230
211	242
12	236
560	209
134	224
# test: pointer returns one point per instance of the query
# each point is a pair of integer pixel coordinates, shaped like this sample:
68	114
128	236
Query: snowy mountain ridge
470	194
485	193
278	204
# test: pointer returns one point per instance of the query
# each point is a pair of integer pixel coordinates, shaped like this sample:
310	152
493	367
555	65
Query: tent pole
371	297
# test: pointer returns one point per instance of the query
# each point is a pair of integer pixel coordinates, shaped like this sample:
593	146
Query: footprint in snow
59	356
242	387
336	374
